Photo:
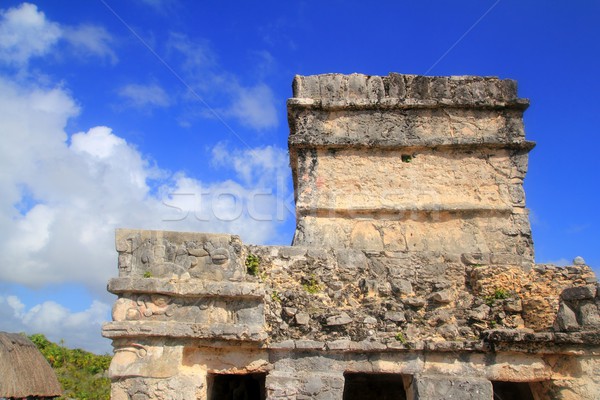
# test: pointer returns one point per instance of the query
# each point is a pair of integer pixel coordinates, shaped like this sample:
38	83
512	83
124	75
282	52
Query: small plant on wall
311	285
252	264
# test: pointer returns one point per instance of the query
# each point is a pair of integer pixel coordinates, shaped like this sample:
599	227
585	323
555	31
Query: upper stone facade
411	163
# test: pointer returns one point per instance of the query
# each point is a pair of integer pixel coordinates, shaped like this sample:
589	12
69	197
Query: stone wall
190	308
411	276
437	164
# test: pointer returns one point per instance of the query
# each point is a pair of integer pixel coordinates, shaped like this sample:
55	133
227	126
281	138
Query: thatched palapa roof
23	369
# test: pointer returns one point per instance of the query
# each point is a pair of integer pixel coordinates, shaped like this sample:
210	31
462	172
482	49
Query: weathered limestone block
176	388
158	307
428	180
579	309
226	359
281	385
152	360
335	90
431	387
412	127
183	330
182	255
440	231
323	386
187	288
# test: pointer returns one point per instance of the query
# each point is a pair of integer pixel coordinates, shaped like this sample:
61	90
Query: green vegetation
147	274
311	285
252	264
499	294
81	374
275	296
401	338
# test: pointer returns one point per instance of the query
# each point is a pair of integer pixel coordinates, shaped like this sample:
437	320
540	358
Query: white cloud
77	193
77	329
98	142
62	200
252	105
90	39
63	195
141	96
24	33
256	167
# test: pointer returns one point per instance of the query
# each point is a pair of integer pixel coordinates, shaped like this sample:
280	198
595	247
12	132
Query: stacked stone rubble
411	271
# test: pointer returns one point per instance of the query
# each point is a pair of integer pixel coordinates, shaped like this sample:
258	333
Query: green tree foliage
81	374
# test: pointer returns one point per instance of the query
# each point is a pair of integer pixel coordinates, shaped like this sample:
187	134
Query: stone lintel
123	234
192	288
232	332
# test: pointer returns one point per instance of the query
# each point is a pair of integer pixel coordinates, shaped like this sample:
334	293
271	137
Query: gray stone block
588	315
566	320
435	387
579	293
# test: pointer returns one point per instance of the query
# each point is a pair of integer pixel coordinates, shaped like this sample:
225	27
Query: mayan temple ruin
411	274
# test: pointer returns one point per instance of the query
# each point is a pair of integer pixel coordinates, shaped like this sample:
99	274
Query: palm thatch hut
24	372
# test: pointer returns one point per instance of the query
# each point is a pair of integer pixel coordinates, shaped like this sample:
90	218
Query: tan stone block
366	236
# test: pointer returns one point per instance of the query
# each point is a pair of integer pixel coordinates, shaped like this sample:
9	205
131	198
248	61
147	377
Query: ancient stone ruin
411	275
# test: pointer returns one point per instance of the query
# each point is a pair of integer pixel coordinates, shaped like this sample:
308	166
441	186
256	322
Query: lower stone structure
425	293
297	322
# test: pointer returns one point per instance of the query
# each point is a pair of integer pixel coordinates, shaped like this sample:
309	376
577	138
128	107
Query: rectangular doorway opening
366	386
512	390
236	386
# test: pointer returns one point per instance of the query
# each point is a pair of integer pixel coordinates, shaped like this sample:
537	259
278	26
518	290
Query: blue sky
167	114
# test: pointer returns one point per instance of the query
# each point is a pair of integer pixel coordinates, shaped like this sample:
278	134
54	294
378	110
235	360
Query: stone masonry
411	275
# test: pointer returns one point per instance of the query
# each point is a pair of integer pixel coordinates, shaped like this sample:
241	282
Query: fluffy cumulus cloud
64	193
255	166
64	197
25	33
77	329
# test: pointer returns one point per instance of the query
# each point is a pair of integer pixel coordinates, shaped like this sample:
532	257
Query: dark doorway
364	386
512	391
236	387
